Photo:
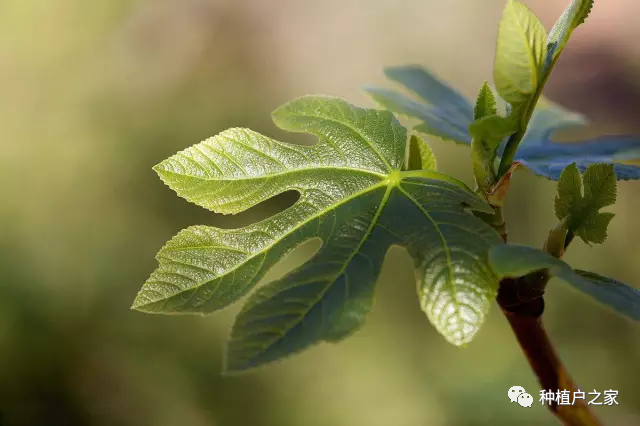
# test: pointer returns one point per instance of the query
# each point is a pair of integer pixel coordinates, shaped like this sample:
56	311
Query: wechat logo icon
519	395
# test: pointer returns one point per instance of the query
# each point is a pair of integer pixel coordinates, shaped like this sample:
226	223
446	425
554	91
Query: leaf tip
143	304
139	306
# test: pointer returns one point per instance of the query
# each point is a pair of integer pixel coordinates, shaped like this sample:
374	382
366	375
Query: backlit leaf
485	103
355	197
421	157
579	200
520	54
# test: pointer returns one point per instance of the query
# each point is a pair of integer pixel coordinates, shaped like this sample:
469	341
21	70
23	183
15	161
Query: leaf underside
355	198
516	261
537	151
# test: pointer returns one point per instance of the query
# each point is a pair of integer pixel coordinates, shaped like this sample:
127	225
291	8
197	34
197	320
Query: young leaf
492	129
487	133
421	156
569	190
572	17
520	54
516	261
485	103
581	212
355	198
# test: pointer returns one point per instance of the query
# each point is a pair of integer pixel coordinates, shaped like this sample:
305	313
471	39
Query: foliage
515	261
369	183
355	196
537	151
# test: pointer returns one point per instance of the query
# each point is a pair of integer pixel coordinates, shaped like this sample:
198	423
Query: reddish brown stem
524	317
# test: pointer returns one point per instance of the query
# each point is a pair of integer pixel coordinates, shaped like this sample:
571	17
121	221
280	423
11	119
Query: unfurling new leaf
520	55
355	197
515	261
487	131
485	103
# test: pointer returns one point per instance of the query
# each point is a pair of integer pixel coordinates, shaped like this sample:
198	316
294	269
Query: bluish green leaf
537	151
548	158
355	198
443	112
431	89
515	261
621	297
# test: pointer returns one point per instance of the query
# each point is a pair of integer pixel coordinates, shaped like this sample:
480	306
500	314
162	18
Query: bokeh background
94	93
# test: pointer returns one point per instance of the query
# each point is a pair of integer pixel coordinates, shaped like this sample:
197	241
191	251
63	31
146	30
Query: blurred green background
94	93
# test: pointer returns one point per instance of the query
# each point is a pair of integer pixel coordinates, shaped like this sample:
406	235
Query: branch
524	313
522	303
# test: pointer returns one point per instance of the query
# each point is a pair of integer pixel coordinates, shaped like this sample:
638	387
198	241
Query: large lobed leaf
355	198
537	151
516	261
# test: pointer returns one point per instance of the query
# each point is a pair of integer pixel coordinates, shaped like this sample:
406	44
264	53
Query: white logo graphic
515	392
525	400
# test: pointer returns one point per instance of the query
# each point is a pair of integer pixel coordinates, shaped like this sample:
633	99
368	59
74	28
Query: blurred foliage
93	94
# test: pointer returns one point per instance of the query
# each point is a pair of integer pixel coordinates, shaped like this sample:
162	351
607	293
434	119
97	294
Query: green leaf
581	212
573	16
485	103
492	129
516	261
421	156
599	186
355	198
594	227
520	54
487	133
569	191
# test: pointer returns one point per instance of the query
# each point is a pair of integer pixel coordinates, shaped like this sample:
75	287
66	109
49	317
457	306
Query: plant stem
522	303
510	152
525	319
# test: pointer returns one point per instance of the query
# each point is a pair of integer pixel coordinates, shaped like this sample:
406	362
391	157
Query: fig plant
370	183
